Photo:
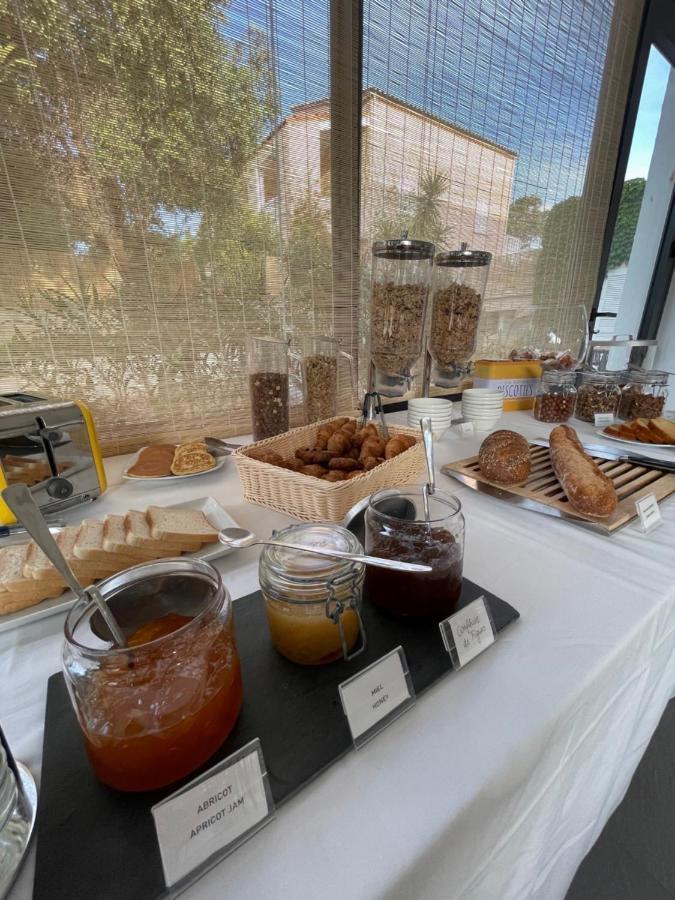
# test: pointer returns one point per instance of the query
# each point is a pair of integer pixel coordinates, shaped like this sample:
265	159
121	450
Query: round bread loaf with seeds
504	457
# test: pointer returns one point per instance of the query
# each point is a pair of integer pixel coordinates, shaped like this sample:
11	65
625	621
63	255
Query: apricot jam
155	711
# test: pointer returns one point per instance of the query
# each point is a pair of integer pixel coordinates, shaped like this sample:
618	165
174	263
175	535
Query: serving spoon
238	538
21	502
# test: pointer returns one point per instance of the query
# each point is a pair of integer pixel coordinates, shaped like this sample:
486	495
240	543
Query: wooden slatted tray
543	493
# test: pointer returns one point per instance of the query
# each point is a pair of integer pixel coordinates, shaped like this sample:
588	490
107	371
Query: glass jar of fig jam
438	543
154	711
556	396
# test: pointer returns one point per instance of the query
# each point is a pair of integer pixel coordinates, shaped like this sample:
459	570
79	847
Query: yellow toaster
50	446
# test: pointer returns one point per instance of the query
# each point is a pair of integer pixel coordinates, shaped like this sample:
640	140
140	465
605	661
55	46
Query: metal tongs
373	412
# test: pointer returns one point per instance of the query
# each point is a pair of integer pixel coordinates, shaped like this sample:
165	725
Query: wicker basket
312	499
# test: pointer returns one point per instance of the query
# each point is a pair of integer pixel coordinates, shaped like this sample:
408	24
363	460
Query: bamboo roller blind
166	175
159	201
495	123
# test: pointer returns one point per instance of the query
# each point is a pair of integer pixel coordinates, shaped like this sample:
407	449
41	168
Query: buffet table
498	781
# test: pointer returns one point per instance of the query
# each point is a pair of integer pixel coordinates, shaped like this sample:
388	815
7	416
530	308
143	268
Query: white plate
220	461
643	445
213	511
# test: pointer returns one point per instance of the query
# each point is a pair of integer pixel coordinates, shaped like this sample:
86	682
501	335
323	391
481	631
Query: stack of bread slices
99	548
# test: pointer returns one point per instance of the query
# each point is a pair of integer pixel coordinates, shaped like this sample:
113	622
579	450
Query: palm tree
426	223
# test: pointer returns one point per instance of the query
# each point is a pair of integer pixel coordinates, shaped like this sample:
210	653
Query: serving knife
602	452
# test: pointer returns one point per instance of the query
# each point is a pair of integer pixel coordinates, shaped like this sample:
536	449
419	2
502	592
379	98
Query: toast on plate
171	524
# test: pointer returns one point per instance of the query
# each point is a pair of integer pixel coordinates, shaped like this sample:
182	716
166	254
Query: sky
649	114
525	75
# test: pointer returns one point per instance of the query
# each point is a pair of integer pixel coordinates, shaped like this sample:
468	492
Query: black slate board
93	842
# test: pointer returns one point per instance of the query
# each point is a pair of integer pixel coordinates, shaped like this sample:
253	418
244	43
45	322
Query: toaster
50	446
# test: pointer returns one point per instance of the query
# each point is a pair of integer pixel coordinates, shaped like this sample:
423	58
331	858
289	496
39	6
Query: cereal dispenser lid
463	258
403	248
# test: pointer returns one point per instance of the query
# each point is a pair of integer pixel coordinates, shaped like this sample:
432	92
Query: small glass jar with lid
644	395
556	396
598	392
313	603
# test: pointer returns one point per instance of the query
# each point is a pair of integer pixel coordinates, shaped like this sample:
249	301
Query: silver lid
647	376
463	258
559	376
403	248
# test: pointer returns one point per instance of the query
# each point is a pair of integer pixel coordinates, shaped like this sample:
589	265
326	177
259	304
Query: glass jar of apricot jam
313	603
153	712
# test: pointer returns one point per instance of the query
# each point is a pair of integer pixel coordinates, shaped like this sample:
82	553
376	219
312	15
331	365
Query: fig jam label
376	696
211	816
468	632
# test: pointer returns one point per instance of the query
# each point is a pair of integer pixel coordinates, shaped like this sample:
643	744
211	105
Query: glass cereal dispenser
460	277
401	279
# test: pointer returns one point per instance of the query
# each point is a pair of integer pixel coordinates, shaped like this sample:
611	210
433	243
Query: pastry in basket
340	451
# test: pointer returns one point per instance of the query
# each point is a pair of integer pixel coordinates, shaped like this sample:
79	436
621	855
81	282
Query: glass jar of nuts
644	395
556	396
598	392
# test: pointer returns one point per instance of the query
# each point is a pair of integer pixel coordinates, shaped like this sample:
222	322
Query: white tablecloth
499	780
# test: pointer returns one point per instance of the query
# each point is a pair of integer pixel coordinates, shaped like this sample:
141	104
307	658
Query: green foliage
556	257
418	212
626	222
526	218
308	264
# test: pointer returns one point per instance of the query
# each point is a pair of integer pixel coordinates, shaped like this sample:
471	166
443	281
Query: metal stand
18	830
426	376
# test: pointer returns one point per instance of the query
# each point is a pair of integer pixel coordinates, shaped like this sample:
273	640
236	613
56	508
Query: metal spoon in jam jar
238	538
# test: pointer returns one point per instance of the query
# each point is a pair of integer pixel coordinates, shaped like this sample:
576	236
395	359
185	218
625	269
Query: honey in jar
155	711
313	602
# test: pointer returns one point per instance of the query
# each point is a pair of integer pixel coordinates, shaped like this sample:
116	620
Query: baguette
587	488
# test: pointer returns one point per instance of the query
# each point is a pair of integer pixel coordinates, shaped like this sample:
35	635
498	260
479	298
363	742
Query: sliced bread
114	540
664	430
39	567
12	577
22	598
89	547
172	524
138	534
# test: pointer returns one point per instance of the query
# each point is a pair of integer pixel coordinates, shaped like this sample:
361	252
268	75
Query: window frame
657	29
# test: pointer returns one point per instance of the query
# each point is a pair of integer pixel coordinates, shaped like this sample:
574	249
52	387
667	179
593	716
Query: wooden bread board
543	493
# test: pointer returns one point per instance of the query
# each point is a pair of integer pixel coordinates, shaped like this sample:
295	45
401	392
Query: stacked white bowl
483	407
439	410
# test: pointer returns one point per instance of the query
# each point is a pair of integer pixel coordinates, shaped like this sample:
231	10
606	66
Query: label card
376	696
468	632
465	429
650	514
213	815
603	419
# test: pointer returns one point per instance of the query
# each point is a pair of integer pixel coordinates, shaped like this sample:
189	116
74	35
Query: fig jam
421	595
